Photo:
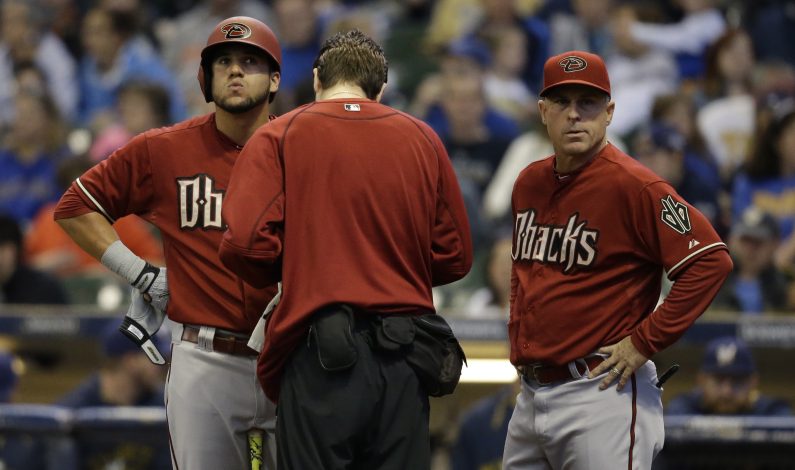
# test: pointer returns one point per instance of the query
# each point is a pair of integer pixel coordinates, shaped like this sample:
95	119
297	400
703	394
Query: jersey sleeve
254	212
673	232
115	187
451	244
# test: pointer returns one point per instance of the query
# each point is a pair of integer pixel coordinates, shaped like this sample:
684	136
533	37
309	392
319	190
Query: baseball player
358	212
594	231
176	178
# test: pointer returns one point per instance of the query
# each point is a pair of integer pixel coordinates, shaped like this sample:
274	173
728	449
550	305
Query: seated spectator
588	29
755	285
492	300
727	384
483	429
125	377
27	38
702	24
768	180
29	156
9	376
662	149
639	73
50	249
20	284
506	92
112	57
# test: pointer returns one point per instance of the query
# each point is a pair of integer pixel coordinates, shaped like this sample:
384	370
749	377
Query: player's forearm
92	232
691	294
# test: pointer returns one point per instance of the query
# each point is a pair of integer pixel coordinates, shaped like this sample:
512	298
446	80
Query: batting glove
257	339
148	279
141	323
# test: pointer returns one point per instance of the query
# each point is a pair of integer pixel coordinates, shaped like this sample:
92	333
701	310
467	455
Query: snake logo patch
236	31
675	215
573	63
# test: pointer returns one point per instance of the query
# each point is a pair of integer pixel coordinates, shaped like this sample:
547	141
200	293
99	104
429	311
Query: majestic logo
199	203
236	31
571	245
675	215
353	107
573	63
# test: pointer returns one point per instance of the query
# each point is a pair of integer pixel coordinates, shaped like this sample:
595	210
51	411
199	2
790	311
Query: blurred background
705	97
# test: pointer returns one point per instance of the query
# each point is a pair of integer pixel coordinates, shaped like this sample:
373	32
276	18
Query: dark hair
352	57
10	231
154	93
765	161
713	81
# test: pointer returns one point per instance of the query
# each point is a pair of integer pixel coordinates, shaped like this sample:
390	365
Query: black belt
546	374
222	342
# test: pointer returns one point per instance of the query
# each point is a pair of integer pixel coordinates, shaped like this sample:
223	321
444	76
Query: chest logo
199	203
571	246
675	215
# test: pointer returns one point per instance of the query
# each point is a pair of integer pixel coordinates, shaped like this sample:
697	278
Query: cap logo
573	63
726	354
236	31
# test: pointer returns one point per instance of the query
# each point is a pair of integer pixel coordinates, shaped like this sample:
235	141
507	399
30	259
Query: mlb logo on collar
352	107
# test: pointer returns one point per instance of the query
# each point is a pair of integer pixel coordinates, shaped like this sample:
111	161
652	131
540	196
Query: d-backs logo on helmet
573	63
236	31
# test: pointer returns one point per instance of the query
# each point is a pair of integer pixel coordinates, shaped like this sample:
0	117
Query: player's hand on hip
622	361
150	280
155	287
141	323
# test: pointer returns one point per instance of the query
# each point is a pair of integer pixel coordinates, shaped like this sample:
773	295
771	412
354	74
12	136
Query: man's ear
541	109
315	82
276	80
380	93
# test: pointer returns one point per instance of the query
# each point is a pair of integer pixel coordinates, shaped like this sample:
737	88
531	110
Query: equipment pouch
332	332
394	333
435	355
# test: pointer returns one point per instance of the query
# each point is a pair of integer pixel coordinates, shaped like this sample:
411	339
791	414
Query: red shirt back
176	178
345	201
589	253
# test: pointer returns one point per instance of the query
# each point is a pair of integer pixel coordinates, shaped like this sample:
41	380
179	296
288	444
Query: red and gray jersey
176	178
589	252
345	201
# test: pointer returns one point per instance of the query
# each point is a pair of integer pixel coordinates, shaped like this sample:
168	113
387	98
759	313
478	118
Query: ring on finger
615	371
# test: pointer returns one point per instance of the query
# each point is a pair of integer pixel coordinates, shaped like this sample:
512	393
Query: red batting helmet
243	30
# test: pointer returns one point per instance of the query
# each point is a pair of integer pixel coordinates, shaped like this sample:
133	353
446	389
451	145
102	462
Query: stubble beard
243	106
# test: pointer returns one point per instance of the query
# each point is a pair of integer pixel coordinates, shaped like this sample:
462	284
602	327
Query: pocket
436	356
331	331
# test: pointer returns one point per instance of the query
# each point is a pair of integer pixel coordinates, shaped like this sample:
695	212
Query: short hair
352	57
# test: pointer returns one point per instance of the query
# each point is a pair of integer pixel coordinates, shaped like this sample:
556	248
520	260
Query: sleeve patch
675	215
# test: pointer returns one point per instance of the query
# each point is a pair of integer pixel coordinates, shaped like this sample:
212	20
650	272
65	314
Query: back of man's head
354	58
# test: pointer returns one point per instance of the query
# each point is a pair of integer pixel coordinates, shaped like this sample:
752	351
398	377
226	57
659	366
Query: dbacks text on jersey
199	203
570	246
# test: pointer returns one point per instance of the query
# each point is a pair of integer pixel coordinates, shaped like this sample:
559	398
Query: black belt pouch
332	332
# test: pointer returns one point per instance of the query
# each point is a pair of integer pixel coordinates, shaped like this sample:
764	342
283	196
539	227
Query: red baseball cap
576	67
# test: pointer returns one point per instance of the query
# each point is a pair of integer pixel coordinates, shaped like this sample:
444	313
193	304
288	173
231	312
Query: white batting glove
257	339
148	279
141	323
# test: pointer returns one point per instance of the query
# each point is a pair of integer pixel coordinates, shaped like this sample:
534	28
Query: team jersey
365	203
176	178
589	252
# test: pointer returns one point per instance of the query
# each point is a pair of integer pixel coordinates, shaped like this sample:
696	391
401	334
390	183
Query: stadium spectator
588	29
482	432
125	377
26	37
29	156
663	149
756	285
727	120
492	300
113	56
727	384
20	284
638	74
506	91
701	25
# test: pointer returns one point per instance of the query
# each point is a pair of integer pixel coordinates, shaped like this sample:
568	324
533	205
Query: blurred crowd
704	92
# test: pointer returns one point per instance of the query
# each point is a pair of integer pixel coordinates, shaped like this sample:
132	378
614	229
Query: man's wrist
119	259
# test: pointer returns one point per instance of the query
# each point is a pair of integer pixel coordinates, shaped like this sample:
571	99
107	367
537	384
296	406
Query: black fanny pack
429	346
